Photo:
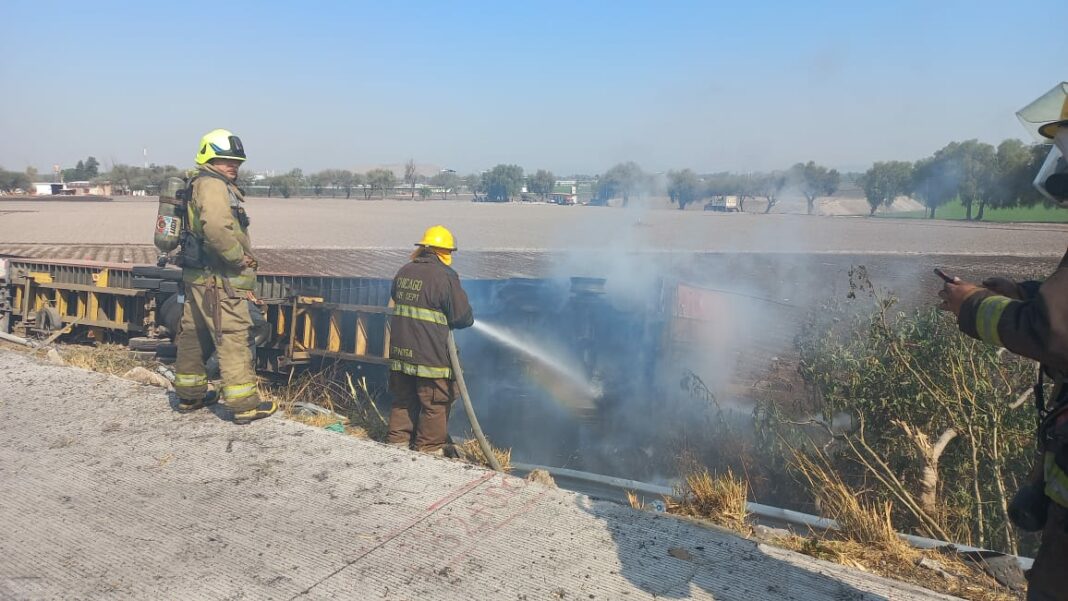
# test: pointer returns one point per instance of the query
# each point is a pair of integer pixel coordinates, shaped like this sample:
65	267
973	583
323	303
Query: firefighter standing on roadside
1031	319
218	275
428	303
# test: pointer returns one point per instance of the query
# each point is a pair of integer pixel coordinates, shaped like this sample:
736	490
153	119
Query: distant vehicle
725	204
486	198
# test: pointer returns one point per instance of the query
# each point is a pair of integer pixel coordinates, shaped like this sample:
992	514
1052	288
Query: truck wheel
143	344
49	319
170	315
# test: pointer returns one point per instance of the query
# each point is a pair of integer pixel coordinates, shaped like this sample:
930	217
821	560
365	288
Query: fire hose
487	450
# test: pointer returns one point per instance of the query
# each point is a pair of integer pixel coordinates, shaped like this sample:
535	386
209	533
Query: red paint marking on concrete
487	530
456	493
442	502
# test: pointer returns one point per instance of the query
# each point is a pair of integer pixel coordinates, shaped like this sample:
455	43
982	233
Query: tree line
499	184
809	180
979	175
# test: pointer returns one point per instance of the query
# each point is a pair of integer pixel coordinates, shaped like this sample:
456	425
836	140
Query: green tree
82	171
541	183
287	185
684	187
411	175
318	181
382	180
503	182
884	182
246	179
934	429
447	181
977	168
934	181
744	187
814	181
348	180
1016	165
726	184
622	180
131	177
768	186
473	183
91	168
425	192
13	180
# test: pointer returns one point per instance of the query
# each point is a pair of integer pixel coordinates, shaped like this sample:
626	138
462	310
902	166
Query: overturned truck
561	352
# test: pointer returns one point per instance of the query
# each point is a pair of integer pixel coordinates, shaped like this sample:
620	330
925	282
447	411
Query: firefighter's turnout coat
1036	326
215	315
428	302
218	223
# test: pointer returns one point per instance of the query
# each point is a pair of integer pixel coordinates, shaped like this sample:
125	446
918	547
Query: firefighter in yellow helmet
1031	319
218	275
428	302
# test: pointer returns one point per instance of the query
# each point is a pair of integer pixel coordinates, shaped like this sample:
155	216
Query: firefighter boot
187	406
264	409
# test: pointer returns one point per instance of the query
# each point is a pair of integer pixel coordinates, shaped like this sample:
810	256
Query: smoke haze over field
565	86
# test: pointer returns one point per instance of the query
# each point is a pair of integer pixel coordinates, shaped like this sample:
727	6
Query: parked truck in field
724	204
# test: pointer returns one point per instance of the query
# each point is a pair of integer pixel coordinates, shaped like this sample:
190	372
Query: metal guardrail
778	514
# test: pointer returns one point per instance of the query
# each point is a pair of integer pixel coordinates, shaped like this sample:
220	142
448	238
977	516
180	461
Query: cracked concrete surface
106	492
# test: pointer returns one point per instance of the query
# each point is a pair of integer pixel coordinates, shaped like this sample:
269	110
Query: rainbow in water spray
574	377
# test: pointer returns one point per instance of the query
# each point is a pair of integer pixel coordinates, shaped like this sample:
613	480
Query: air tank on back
170	215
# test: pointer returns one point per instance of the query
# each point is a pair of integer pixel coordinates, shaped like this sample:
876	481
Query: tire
49	319
160	273
170	315
144	344
141	283
260	332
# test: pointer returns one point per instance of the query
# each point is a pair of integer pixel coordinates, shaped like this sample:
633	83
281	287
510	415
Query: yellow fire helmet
438	237
220	144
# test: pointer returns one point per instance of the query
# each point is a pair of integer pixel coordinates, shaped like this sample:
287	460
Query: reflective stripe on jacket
428	302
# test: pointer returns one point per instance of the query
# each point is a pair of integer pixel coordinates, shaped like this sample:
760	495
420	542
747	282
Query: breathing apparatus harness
173	222
1029	508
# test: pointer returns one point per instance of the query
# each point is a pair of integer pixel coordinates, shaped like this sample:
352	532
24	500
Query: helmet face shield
234	150
1041	116
1046	119
1052	178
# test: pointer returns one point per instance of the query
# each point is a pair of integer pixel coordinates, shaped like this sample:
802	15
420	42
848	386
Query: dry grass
718	498
859	521
635	501
955	577
111	359
867	540
347	402
471	452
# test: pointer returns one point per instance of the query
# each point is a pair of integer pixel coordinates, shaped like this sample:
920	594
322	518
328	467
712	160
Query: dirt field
340	223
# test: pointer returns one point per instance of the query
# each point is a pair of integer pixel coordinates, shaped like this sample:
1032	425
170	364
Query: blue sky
568	86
